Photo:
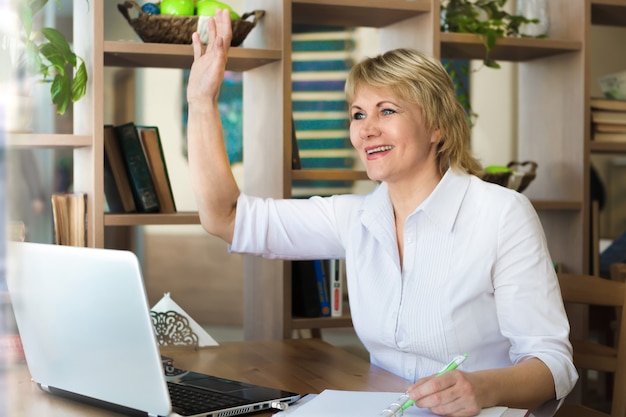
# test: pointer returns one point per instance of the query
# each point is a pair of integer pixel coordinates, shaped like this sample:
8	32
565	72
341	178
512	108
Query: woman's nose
369	129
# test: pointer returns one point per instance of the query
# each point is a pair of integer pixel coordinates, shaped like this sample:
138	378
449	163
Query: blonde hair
421	79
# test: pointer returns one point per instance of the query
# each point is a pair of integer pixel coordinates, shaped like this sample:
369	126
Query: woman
438	262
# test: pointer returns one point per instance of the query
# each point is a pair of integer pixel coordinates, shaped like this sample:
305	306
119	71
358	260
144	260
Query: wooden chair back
591	290
618	273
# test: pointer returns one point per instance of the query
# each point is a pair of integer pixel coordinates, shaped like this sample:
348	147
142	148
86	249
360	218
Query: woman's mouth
378	149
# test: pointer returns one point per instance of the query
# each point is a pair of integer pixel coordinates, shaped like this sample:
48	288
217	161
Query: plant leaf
60	91
26	16
57	40
36	5
491	63
52	55
31	58
79	86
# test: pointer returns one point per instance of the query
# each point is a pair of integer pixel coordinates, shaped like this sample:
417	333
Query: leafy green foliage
48	53
481	17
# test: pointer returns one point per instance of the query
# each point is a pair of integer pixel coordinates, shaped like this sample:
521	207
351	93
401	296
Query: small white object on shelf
614	85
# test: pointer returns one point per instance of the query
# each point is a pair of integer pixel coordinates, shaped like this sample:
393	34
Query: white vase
534	9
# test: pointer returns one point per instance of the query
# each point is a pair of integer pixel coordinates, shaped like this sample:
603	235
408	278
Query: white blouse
476	276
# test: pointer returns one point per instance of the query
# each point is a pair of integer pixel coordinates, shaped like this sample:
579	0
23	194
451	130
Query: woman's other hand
207	70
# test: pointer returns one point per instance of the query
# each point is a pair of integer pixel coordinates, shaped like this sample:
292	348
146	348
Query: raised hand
207	70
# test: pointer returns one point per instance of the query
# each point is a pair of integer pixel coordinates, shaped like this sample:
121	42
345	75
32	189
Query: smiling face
391	137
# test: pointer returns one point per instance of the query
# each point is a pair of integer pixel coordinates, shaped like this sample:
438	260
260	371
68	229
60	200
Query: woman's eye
388	111
357	116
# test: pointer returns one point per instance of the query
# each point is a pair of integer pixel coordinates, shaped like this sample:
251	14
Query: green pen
454	363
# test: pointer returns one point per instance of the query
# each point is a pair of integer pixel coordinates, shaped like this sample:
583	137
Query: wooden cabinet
552	126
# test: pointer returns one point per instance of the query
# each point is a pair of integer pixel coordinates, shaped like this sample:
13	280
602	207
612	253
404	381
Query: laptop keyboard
188	400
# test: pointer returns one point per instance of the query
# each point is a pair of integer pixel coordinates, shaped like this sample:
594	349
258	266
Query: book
601	103
296	163
609	128
151	141
609	117
112	198
335	278
609	137
322	287
144	192
68	212
338	403
117	189
304	295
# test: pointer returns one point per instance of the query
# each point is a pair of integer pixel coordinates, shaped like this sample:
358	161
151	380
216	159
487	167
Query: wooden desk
301	365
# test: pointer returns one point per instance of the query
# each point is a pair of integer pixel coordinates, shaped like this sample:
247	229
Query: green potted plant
482	17
47	54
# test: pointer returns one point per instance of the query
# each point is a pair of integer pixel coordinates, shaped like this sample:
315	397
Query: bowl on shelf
614	85
162	28
515	175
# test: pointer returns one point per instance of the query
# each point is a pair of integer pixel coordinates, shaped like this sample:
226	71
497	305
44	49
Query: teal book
322	287
144	191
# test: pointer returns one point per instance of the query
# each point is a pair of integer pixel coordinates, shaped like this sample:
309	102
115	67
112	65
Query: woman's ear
435	136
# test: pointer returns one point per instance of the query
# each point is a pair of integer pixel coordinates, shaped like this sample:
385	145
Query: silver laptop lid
82	328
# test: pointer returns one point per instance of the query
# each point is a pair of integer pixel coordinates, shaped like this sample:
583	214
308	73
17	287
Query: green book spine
144	192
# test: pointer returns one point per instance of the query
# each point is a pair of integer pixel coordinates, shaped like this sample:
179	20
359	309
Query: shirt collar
442	205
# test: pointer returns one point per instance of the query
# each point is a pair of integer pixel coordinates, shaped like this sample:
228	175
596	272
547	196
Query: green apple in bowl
177	7
208	7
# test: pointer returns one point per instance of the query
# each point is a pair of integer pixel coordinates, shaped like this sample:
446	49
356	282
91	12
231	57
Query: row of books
608	120
135	172
69	212
317	288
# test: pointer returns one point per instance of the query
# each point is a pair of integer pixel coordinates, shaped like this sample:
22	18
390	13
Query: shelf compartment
608	12
328	175
354	13
163	55
143	219
470	46
47	140
321	322
608	147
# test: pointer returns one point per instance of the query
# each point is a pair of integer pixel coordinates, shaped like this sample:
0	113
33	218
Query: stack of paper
332	403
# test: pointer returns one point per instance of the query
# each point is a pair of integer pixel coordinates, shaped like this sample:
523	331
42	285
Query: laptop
85	324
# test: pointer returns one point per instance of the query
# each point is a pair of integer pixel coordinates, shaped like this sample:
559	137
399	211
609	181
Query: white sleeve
528	297
289	228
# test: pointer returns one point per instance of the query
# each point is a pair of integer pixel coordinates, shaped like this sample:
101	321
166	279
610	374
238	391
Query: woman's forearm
526	385
212	179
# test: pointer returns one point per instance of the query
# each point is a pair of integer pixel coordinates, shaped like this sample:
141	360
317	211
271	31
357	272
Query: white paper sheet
333	403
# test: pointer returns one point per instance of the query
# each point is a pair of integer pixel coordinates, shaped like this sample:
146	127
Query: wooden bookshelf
553	74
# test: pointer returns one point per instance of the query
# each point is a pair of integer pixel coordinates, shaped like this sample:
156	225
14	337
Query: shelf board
549	205
143	219
328	175
608	12
354	13
47	140
321	322
470	46
165	55
608	147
